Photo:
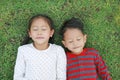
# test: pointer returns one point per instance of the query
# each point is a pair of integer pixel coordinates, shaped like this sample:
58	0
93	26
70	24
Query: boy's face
74	40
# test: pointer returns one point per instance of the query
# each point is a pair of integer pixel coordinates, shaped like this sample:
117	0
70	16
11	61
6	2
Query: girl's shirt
33	64
87	65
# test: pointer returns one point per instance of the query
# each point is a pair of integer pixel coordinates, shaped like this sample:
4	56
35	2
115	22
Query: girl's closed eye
44	29
35	29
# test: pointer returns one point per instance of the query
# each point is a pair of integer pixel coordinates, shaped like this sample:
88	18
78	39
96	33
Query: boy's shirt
87	65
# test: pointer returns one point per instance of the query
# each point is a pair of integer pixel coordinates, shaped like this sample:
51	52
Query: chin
77	52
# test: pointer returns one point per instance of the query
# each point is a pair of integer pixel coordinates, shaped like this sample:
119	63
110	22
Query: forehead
39	22
73	32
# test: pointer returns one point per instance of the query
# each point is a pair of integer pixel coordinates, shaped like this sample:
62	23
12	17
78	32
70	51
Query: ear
85	38
52	32
63	43
29	33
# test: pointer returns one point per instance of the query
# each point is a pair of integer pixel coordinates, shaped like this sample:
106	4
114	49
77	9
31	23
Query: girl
40	60
82	63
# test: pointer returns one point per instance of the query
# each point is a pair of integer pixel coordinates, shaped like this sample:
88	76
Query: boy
82	63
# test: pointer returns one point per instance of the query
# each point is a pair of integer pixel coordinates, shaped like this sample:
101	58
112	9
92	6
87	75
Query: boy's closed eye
78	39
44	29
70	41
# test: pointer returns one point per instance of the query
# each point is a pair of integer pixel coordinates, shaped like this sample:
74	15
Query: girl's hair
44	17
70	24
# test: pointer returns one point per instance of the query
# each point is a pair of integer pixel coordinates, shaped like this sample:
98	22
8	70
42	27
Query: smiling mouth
76	47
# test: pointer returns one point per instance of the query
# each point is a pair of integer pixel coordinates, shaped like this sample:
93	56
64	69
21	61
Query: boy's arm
61	64
102	68
19	71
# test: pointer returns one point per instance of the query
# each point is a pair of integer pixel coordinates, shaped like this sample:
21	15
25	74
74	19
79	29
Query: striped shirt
33	64
87	65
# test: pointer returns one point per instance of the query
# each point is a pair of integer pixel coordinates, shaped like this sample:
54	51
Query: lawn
100	17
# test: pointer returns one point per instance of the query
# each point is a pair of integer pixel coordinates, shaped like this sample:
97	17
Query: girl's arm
19	71
61	65
102	68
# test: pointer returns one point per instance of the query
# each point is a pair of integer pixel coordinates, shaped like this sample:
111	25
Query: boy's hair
73	23
44	17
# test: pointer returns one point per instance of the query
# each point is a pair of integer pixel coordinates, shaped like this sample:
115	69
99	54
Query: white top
33	64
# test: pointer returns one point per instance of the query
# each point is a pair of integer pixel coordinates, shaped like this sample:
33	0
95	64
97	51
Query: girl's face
40	31
74	40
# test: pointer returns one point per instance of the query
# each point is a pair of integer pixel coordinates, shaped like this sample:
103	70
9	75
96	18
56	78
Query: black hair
73	23
47	19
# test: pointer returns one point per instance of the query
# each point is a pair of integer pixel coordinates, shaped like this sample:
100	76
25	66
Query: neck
41	46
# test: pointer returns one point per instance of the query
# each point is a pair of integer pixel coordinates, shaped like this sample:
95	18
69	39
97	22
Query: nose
39	32
74	43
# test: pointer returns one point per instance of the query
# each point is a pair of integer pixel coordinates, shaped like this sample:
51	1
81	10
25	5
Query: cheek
65	44
32	34
69	45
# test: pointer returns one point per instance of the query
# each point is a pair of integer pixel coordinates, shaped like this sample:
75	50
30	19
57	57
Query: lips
76	47
39	37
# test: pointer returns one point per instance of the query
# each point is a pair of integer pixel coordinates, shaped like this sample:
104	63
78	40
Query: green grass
101	19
